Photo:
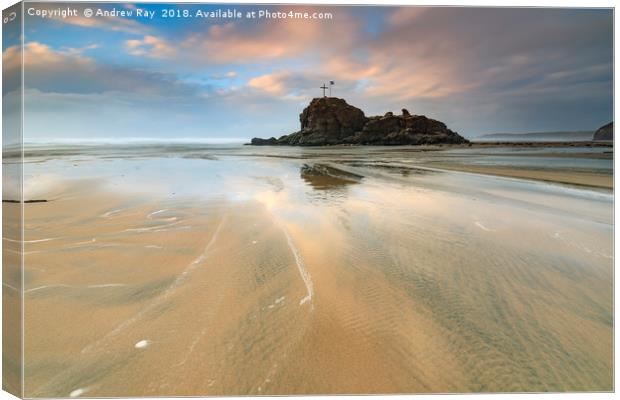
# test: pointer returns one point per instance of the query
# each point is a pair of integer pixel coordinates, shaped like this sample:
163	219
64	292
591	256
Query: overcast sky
478	70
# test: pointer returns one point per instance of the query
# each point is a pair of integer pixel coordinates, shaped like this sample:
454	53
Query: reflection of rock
605	132
392	168
321	176
25	201
330	120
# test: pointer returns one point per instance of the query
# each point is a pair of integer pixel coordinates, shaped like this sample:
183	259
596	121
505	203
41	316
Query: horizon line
138	140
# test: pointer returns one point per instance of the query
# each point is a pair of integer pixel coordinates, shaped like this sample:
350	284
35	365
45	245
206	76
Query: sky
479	70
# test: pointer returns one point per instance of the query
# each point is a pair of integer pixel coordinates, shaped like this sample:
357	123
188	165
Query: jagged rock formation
605	132
330	121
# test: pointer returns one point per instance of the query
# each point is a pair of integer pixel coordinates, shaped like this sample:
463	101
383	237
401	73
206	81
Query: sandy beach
307	199
294	271
11	296
583	164
572	178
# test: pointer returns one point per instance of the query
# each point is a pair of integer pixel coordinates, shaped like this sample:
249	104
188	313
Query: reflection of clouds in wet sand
325	177
329	184
155	317
305	276
179	280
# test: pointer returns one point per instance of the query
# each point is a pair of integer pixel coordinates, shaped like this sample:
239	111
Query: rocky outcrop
605	132
330	121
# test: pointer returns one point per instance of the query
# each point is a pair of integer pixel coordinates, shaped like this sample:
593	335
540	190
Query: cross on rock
324	87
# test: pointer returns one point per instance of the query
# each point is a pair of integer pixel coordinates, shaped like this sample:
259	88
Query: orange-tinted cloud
150	46
71	71
109	23
41	59
269	40
270	83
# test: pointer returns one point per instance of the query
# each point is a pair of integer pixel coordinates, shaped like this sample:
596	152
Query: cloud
105	114
478	69
40	61
110	23
149	46
484	60
452	50
227	43
286	83
70	71
70	95
407	15
270	83
126	115
227	76
247	43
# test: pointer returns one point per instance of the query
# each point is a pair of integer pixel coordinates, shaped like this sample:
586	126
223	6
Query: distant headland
331	121
605	132
557	136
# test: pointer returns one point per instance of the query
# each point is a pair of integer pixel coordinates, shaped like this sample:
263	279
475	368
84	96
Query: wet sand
11	298
580	178
314	274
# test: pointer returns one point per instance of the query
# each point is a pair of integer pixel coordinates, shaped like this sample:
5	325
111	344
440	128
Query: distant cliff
330	121
605	132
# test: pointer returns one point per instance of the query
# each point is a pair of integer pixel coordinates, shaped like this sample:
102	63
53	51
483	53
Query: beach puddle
325	177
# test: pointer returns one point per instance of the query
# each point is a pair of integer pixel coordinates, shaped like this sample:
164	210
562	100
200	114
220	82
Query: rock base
331	121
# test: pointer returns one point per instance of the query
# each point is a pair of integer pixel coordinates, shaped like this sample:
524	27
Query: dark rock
330	121
605	132
264	142
401	130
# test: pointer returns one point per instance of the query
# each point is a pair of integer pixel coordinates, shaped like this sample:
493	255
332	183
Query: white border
480	3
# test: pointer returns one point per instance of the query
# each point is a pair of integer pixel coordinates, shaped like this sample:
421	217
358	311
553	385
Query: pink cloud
270	83
268	40
40	55
150	46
